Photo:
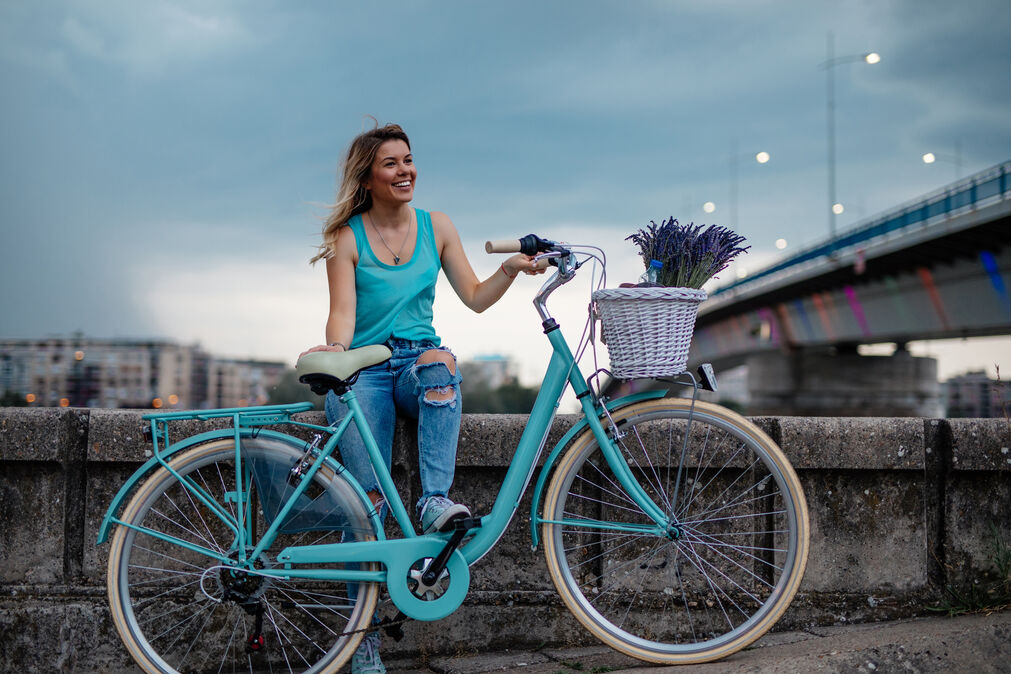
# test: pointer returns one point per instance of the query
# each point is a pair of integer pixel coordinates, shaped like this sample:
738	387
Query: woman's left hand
524	263
322	347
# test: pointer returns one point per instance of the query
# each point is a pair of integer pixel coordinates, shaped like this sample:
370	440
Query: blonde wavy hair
352	197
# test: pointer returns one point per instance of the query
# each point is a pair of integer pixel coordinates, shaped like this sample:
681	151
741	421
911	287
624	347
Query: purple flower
690	254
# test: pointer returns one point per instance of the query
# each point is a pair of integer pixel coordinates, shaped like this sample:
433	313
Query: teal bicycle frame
397	556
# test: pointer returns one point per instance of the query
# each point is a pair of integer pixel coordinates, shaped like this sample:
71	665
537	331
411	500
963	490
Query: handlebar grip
502	246
531	244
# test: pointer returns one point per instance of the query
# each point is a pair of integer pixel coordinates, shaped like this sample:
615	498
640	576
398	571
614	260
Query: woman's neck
392	216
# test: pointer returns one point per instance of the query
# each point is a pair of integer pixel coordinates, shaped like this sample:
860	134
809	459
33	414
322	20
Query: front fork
668	522
611	448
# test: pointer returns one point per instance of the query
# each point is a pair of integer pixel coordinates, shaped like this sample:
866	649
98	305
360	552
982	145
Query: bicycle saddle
335	370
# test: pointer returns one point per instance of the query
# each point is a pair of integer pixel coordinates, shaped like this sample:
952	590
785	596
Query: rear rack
157	433
247	416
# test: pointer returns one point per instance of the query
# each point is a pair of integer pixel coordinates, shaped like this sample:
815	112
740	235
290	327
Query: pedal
459	526
461	522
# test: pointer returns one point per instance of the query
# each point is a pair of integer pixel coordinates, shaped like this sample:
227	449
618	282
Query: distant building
83	372
491	370
975	395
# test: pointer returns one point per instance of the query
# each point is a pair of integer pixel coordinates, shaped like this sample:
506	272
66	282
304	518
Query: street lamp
831	61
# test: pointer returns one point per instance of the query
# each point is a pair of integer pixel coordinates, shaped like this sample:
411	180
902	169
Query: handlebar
556	254
528	245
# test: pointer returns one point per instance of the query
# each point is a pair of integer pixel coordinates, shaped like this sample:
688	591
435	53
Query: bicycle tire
178	610
722	578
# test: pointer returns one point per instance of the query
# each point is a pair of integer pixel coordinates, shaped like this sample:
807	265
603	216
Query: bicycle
675	530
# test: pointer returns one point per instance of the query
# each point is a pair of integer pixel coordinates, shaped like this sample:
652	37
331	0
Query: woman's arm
477	295
340	273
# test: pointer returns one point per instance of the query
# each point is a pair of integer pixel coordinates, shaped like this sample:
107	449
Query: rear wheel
713	578
179	610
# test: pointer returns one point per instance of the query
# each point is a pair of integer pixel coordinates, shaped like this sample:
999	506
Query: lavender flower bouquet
690	254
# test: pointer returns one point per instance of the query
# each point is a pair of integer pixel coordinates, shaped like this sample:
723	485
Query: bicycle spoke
196	612
700	584
655	481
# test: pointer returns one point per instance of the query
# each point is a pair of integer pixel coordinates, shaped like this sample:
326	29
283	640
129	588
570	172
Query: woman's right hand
322	347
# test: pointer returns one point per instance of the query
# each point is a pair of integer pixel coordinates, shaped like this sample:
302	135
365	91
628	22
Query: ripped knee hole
440	394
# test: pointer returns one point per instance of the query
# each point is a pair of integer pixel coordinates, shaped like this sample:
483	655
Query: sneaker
440	511
366	658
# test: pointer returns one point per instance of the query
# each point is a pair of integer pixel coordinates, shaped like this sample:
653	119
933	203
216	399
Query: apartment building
975	395
80	371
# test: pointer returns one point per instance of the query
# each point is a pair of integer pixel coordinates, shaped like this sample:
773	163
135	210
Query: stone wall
900	507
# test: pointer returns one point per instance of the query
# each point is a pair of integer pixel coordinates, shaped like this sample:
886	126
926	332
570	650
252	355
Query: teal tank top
395	300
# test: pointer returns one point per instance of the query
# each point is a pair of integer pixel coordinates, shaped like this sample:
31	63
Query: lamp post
735	157
831	61
734	161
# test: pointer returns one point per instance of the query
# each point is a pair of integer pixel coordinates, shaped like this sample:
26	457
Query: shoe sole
453	512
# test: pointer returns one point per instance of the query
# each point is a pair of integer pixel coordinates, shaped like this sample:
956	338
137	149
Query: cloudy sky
164	165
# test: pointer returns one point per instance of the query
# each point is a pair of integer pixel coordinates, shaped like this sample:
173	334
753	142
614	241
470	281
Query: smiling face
393	173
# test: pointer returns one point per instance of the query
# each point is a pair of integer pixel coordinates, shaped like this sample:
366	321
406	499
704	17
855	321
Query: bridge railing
976	191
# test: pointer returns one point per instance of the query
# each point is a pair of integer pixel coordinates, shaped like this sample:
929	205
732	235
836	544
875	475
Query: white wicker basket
647	330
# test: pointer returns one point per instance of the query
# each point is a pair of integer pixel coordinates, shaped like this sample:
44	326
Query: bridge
932	268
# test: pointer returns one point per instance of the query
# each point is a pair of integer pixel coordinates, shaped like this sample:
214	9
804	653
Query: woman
382	261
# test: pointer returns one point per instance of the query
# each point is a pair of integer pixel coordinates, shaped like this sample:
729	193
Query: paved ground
976	644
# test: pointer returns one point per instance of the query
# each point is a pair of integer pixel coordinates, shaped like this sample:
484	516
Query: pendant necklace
396	256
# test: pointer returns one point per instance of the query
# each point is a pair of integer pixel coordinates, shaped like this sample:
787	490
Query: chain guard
399	585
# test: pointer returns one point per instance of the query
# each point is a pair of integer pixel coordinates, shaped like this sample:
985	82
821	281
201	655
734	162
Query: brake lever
551	257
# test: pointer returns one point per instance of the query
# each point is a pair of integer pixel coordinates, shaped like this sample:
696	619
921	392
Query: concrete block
492	439
867	532
117	435
40	433
864	443
970	524
489	439
60	634
32	528
511	565
981	444
104	481
892	501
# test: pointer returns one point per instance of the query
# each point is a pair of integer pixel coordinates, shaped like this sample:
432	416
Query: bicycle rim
178	610
726	570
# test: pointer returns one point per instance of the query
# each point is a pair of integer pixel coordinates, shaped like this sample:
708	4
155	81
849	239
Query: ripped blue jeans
400	385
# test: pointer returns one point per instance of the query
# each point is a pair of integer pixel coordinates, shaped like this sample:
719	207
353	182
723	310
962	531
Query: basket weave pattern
647	330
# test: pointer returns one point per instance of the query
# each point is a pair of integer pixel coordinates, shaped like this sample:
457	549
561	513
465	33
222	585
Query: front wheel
181	605
711	579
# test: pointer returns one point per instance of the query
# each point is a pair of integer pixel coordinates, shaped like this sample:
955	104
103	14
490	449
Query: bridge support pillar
846	384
